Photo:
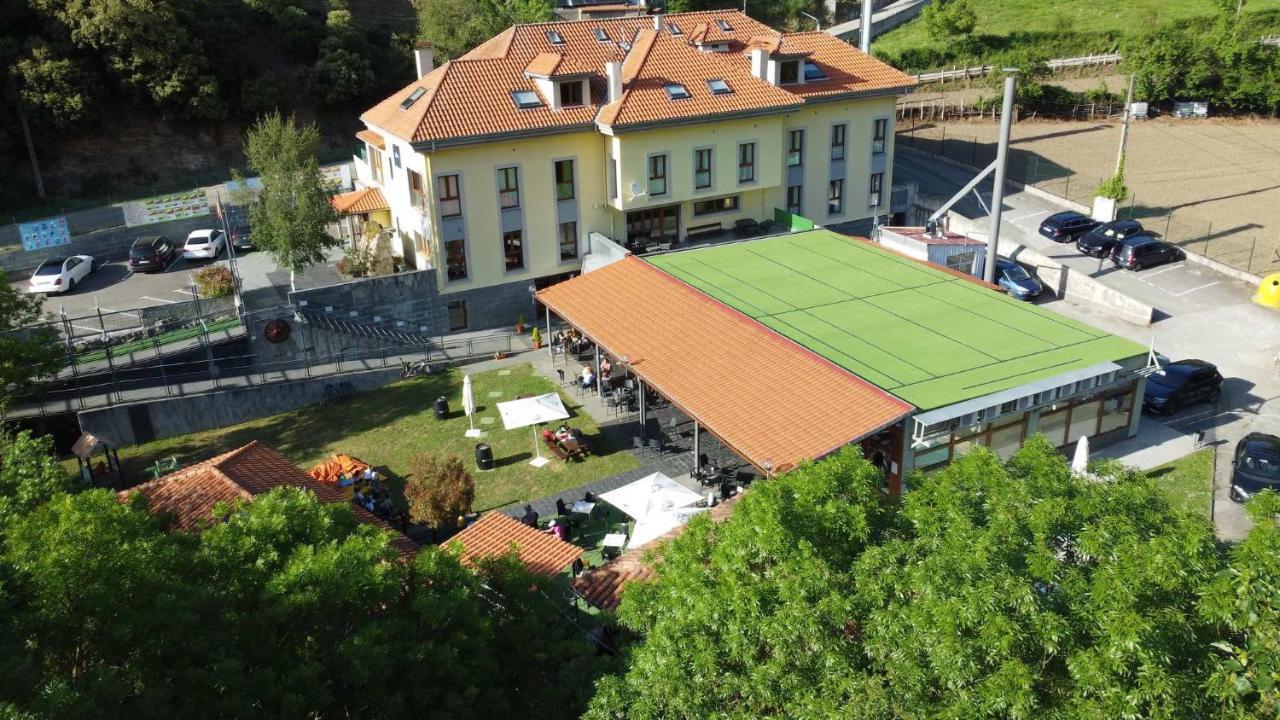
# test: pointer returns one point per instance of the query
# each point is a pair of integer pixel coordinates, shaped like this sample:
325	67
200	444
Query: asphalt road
1200	314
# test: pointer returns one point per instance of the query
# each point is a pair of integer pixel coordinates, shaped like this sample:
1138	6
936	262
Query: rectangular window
613	178
793	199
873	198
657	175
417	193
747	162
702	168
455	258
375	163
788	72
457	315
837	141
795	148
568	240
571	93
513	249
835	197
508	187
450	197
878	136
716	205
564	179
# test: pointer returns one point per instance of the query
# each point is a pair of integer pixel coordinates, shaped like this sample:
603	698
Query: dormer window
601	35
418	92
719	87
788	72
525	99
674	29
676	91
571	93
554	38
812	72
724	25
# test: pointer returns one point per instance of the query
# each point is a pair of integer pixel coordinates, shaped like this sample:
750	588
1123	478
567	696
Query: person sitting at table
588	377
530	516
561	508
560	531
564	433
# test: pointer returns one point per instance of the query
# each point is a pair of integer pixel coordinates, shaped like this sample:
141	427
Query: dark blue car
1016	280
1066	226
1180	384
1256	466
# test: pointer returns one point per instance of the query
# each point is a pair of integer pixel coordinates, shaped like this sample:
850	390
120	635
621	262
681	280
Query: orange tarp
340	464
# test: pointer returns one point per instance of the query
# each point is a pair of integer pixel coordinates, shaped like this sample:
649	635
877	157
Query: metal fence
1253	252
943	110
965	73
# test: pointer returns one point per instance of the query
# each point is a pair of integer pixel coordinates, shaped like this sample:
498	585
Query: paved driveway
1200	314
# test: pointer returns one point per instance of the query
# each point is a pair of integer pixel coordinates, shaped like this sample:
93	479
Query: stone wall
386	301
494	307
104	245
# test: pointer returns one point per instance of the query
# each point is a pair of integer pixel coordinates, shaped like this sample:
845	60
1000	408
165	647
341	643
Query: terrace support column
640	392
696	464
599	375
550	351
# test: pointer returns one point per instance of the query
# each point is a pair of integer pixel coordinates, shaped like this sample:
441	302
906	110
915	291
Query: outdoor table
613	541
582	507
571	446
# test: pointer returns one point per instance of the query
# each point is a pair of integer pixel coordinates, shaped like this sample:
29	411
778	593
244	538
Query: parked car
1101	240
237	223
1016	280
1255	466
1180	384
151	254
1067	226
62	274
1143	251
204	244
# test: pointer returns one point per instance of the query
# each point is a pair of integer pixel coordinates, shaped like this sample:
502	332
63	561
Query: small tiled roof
496	534
359	201
602	586
372	138
762	395
470	97
187	497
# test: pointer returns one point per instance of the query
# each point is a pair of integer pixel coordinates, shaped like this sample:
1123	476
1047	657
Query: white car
59	275
204	244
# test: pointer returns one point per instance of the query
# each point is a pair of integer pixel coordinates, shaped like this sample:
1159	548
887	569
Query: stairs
377	327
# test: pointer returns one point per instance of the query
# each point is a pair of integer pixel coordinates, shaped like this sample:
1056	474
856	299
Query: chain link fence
1256	252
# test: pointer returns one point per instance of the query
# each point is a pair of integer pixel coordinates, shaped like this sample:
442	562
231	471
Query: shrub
1114	187
438	491
214	281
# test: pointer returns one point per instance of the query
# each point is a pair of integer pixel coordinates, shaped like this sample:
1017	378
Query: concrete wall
120	425
104	245
408	297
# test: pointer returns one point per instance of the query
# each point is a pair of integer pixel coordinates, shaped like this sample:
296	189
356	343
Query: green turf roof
925	335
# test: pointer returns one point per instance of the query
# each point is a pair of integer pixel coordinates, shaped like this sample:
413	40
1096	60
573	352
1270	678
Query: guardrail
966	73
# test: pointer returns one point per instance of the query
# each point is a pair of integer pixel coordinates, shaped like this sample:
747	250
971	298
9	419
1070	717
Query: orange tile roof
359	201
372	138
496	534
187	497
602	586
762	395
470	98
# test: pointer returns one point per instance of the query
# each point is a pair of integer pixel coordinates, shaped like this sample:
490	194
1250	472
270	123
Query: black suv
1256	466
1066	226
1101	240
1143	251
150	254
1182	383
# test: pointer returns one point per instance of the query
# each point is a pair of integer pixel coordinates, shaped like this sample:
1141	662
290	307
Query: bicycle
419	368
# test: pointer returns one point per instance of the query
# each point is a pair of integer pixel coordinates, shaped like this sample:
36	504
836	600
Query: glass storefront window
1054	427
929	458
965	445
1006	440
1115	412
1084	420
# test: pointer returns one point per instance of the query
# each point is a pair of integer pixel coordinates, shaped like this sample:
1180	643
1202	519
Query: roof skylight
719	87
813	72
601	35
676	91
724	25
554	38
413	97
525	99
674	29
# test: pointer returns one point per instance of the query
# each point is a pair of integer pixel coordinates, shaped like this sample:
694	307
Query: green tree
29	349
456	26
439	491
54	89
952	21
30	475
291	214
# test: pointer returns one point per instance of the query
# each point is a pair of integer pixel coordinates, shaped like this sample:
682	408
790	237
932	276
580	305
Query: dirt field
1211	185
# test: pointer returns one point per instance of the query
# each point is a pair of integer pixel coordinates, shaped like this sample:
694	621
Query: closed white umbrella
1080	462
469	406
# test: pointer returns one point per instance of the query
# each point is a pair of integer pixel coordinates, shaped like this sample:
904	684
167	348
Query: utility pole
997	193
31	151
1124	127
864	27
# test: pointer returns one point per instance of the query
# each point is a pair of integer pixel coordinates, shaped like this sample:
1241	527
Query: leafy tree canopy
28	350
456	26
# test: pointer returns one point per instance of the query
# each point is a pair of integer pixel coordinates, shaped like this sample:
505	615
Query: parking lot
115	287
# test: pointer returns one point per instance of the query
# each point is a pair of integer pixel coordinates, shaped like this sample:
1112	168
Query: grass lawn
1188	482
389	426
164	339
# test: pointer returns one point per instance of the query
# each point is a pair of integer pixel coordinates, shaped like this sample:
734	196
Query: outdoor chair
637	443
655	444
561	374
611	404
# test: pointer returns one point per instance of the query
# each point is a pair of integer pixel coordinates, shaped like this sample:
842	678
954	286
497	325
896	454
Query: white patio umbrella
657	503
533	411
469	407
1080	461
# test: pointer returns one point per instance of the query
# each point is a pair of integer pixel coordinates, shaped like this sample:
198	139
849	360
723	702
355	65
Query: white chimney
760	63
865	27
657	22
613	70
424	56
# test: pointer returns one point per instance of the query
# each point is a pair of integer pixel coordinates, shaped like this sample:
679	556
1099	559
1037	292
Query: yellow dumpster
1268	294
